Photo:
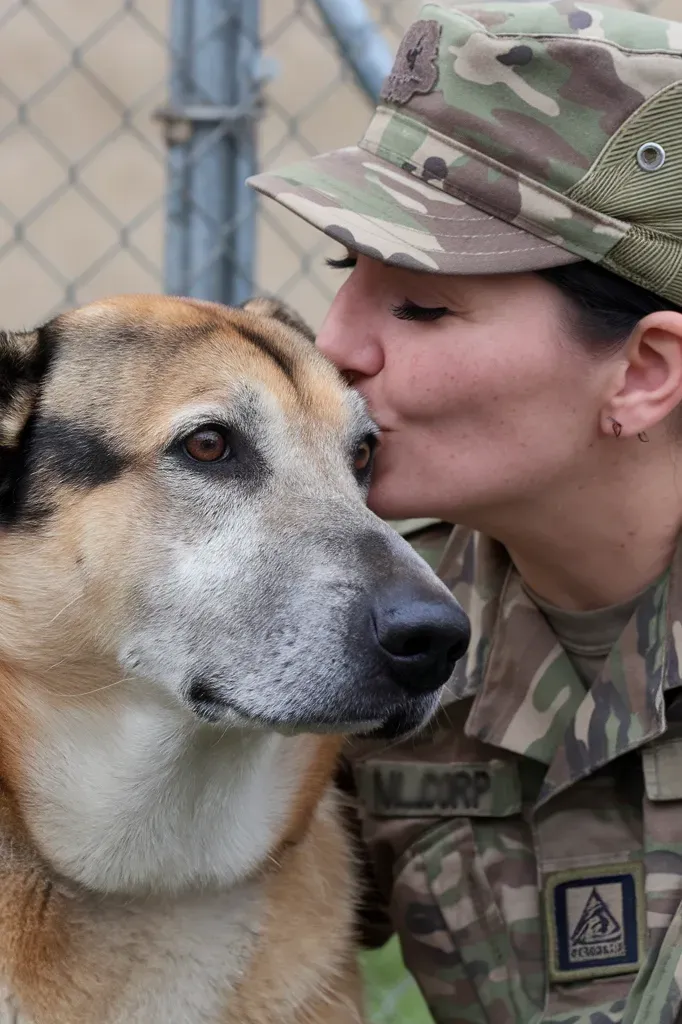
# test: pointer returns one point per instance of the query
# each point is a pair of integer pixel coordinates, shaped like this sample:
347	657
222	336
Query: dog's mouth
207	705
398	725
216	709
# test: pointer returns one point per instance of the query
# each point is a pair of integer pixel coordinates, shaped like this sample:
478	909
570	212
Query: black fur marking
12	370
15	364
52	451
287	317
275	309
16	506
204	702
21	370
272	350
75	454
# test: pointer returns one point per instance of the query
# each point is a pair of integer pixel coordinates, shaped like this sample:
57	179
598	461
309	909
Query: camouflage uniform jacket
530	842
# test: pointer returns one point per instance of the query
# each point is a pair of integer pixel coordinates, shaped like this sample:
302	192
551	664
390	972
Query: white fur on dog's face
254	595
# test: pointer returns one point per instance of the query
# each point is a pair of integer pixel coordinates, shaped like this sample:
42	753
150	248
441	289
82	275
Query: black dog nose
421	637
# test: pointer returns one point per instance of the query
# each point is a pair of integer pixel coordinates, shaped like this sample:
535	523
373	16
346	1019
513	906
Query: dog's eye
208	444
363	454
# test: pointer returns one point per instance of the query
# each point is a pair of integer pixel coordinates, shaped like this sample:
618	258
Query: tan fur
68	956
63	962
310	889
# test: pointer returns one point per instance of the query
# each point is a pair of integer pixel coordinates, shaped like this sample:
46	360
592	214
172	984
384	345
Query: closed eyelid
346	262
409	310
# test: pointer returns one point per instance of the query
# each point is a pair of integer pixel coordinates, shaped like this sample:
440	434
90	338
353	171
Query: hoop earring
616	427
643	438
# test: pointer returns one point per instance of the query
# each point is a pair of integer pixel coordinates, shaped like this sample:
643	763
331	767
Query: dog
195	606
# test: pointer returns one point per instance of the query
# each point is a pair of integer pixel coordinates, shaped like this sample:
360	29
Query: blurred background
128	126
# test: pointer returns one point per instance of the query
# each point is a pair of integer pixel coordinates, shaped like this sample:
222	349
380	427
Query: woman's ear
648	384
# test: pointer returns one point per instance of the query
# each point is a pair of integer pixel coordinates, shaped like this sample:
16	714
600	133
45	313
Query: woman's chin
377	503
389	506
395	492
394	504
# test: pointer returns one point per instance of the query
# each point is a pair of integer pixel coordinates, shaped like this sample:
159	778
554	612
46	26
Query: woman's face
484	403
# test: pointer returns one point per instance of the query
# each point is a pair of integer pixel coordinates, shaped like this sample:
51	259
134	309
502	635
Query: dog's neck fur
122	794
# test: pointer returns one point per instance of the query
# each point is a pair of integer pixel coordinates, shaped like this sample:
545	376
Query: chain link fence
84	156
82	163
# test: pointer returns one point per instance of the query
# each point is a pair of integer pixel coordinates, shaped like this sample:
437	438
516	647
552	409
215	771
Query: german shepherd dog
195	604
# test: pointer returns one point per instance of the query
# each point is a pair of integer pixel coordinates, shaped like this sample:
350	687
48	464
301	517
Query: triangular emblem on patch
597	924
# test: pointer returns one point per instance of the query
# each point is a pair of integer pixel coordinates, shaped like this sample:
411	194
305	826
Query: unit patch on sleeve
594	921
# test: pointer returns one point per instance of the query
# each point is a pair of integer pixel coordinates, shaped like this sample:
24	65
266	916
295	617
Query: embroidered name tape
595	922
407	789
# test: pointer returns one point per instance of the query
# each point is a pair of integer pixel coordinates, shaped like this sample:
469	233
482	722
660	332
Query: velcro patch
595	921
409	789
415	69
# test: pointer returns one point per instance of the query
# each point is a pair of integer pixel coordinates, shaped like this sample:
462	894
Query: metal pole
177	169
360	42
249	77
210	131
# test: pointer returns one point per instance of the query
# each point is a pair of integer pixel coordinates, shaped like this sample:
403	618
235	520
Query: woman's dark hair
603	308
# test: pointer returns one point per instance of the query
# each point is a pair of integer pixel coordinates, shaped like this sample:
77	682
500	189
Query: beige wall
71	233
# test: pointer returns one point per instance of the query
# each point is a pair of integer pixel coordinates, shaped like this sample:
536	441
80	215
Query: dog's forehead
163	309
142	358
154	329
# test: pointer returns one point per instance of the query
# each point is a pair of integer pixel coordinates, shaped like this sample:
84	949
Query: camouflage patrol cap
512	137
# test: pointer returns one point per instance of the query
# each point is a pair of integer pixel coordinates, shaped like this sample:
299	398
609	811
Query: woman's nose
348	336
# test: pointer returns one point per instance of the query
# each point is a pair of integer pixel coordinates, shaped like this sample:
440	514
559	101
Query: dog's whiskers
62	610
67	657
98	689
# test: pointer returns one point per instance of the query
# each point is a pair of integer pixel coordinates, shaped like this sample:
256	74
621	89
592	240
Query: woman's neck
600	543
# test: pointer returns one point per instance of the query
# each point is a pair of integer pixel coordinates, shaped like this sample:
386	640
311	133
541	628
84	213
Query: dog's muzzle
394	649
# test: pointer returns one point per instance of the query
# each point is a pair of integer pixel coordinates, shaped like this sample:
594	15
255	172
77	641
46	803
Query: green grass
391	993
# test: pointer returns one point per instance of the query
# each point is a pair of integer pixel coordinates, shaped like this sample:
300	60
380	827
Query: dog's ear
277	310
23	363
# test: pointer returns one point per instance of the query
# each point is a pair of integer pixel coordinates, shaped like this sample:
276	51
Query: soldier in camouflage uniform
529	843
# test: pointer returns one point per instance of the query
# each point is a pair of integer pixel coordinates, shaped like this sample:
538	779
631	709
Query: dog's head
182	492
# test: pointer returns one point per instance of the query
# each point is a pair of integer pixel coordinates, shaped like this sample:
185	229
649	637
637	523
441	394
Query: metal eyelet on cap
651	156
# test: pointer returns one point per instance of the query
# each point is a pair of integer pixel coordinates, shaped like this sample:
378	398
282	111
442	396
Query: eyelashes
406	310
345	263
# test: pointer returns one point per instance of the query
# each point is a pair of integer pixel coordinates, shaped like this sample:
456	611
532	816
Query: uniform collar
528	698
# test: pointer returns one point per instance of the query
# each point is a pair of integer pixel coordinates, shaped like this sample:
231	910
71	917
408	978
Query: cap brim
389	214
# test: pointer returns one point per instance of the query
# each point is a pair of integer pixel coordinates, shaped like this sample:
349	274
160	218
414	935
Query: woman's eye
408	310
345	263
208	444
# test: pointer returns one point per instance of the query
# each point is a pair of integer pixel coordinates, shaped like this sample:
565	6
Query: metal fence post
210	131
360	42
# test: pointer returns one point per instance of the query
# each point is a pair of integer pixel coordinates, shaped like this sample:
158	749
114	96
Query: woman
513	222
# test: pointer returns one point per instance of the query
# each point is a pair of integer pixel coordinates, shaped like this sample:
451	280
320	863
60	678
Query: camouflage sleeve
428	537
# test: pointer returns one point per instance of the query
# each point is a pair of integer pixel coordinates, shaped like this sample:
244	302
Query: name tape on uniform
595	922
409	789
